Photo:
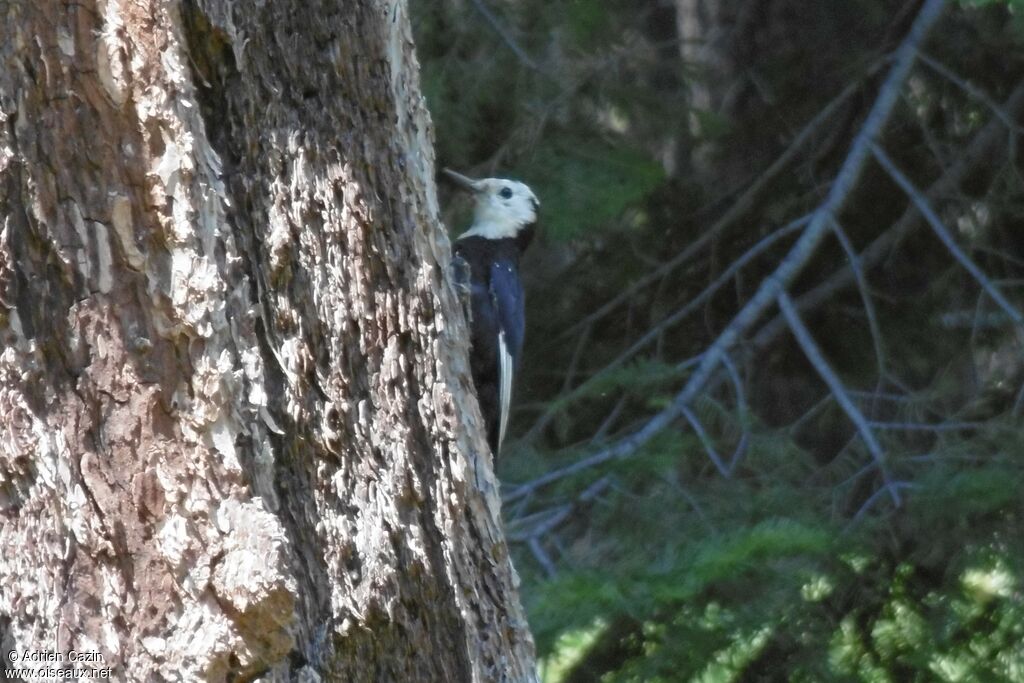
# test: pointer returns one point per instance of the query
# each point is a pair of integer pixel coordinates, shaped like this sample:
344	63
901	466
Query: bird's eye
506	193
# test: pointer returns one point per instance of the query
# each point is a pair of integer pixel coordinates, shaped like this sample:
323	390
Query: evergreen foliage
786	559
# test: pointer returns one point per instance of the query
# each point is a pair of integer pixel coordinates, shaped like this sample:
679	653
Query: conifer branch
789	267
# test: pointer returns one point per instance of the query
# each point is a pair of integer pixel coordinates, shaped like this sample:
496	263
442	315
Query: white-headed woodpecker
504	221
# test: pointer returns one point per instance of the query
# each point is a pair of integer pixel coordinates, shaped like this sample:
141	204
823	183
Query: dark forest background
840	497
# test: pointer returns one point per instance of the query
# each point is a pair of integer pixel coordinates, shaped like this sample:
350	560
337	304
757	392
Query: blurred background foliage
666	138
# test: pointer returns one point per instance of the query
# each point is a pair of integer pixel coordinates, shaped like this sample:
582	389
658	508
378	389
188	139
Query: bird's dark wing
507	296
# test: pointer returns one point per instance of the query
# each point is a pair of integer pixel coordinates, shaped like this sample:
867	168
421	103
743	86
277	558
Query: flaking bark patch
239	434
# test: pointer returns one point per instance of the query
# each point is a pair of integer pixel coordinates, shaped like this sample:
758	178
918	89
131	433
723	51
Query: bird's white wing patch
504	385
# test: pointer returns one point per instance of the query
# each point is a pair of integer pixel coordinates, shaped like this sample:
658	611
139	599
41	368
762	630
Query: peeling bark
237	436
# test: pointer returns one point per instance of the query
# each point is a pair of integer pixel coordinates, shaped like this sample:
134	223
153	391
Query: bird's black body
498	317
486	266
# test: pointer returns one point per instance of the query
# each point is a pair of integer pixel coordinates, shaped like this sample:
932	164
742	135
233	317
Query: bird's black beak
462	181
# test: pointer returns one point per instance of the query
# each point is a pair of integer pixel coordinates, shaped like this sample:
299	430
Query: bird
486	267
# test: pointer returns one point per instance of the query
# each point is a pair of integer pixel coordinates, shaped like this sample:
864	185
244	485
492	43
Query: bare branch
673	481
926	427
790	266
736	210
520	53
622	448
813	411
870	503
657	330
881	395
943	234
607	423
741	408
1018	403
822	217
975	92
855	477
525	529
835	385
574	364
705	440
555	516
865	295
989	141
542	558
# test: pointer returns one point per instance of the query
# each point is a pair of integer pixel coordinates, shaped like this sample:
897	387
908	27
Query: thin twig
870	503
550	517
542	558
574	363
865	295
520	507
1018	403
811	413
925	207
855	477
705	440
622	448
884	396
673	481
606	425
529	523
520	53
925	427
835	385
654	332
555	516
972	90
741	408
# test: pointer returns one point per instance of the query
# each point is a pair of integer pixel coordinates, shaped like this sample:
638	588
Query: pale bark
700	31
236	434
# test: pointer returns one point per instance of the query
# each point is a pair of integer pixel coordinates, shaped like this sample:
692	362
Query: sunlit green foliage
721	582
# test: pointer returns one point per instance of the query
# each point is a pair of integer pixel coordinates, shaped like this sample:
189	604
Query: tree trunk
236	432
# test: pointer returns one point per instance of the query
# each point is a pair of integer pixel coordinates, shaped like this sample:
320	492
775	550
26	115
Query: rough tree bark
236	434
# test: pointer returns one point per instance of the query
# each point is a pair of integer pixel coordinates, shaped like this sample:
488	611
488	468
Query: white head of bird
501	207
